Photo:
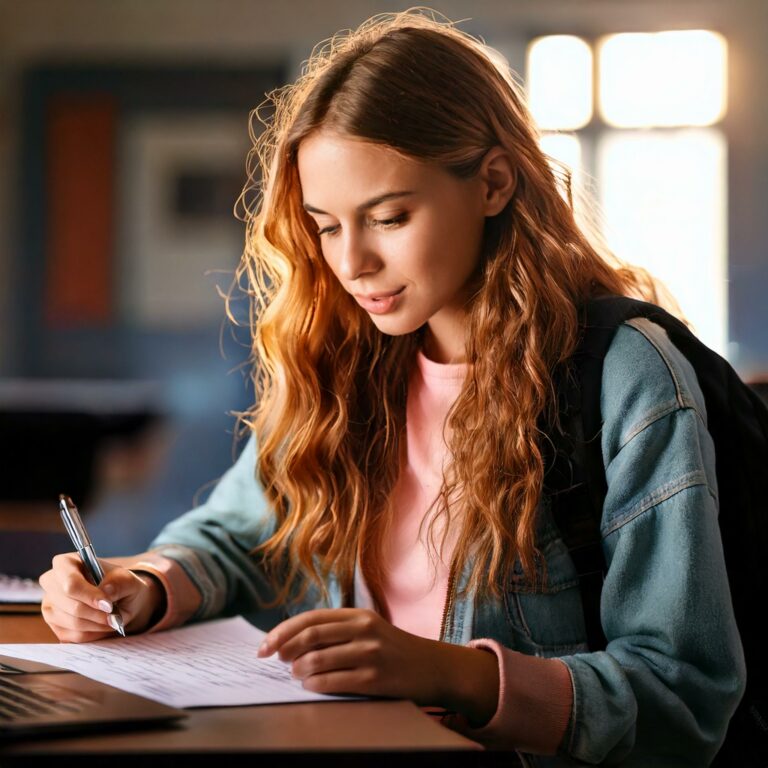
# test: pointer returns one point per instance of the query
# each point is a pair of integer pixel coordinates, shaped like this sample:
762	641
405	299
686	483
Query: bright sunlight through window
664	78
560	82
653	153
663	201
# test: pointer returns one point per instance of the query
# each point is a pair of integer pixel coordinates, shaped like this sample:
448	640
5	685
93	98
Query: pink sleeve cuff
182	597
535	703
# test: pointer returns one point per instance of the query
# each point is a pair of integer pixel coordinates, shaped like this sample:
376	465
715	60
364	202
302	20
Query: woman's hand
356	651
77	611
351	650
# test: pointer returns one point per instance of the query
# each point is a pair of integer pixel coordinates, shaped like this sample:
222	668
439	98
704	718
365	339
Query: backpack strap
578	492
738	422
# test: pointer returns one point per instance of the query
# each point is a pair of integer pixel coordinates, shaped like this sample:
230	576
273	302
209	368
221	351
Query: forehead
339	170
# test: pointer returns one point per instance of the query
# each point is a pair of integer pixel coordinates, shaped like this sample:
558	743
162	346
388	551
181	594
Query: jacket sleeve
673	671
207	550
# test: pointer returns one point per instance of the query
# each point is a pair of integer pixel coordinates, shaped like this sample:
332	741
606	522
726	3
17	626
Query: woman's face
403	237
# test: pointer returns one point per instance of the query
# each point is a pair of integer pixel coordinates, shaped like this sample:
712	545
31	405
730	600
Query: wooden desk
350	733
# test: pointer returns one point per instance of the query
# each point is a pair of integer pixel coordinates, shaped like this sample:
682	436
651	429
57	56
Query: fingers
72	614
65	635
360	682
355	651
347	656
305	630
75	609
333	650
315	637
67	578
68	629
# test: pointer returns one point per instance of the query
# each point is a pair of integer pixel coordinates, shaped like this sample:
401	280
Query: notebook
38	700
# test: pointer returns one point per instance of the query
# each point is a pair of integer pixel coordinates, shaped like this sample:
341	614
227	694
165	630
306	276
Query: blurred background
123	136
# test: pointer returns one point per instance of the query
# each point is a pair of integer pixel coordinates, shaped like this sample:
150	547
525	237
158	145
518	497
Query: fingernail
263	649
111	621
105	605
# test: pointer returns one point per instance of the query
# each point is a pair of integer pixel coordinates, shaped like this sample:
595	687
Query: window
638	117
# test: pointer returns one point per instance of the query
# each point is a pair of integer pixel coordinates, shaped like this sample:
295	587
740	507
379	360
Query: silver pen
82	542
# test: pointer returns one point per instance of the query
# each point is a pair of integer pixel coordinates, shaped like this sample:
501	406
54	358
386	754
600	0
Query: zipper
449	600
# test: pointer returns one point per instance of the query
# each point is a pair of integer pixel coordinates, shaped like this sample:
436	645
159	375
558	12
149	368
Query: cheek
454	250
466	231
331	261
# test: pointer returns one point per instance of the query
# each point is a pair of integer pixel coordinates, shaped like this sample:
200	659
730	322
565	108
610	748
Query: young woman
416	276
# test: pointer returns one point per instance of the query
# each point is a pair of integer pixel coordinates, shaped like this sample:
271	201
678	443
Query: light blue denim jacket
663	690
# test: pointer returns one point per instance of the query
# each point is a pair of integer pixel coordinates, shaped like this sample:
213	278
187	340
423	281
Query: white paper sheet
203	665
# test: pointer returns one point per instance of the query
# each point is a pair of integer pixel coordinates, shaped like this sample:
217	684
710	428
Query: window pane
663	78
559	81
663	198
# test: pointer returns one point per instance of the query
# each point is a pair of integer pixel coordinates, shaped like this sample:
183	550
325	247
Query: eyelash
381	223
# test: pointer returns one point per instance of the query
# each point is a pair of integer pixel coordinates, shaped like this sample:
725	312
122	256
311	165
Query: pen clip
72	522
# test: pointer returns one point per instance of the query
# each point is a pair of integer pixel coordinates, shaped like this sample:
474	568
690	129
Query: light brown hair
329	418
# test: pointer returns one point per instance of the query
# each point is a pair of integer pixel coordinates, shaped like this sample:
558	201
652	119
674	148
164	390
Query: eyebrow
374	201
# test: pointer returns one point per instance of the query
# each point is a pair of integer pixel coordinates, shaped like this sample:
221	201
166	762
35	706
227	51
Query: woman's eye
392	222
380	223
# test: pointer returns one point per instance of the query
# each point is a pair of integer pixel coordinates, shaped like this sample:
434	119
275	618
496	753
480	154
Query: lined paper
212	664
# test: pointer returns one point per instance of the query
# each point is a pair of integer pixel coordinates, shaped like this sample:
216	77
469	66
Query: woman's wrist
470	682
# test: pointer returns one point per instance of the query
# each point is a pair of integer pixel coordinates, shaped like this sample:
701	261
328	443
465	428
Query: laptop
39	700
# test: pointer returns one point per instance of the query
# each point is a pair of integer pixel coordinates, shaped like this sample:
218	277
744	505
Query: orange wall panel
80	159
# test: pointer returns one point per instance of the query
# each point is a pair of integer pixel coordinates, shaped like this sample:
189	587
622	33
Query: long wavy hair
329	417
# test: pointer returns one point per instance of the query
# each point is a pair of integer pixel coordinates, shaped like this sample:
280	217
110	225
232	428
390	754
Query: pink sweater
416	579
535	694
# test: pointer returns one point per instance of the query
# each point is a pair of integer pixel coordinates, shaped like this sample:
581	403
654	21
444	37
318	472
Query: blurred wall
232	31
283	32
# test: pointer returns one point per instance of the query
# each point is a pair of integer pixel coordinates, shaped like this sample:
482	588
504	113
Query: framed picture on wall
129	179
179	241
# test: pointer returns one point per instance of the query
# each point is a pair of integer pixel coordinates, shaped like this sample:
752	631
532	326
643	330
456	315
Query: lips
377	296
381	302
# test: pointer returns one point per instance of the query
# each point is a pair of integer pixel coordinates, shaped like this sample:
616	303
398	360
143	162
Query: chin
392	325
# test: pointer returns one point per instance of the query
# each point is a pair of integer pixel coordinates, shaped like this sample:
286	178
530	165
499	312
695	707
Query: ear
499	178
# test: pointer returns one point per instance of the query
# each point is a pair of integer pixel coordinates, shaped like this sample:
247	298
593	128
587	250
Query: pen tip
116	622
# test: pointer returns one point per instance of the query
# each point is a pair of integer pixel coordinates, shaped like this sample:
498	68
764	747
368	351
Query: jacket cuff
182	597
535	702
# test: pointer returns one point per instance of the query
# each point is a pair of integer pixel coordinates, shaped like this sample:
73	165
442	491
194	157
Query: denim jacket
663	690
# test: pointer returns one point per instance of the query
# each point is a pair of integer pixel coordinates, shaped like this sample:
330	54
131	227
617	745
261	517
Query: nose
356	257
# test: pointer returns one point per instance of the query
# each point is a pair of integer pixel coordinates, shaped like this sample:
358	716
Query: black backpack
737	419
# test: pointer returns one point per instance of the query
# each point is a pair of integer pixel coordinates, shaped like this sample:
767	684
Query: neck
446	334
444	350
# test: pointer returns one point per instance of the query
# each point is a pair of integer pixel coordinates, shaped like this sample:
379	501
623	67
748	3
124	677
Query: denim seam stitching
649	329
656	497
525	589
521	615
658	413
576	715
